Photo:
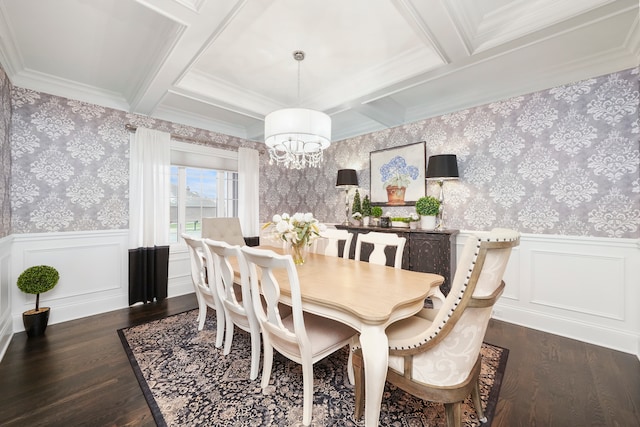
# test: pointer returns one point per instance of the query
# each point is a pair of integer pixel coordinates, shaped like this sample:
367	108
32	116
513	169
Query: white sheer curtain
248	191
149	176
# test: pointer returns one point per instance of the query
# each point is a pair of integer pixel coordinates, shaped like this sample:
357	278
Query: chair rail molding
583	288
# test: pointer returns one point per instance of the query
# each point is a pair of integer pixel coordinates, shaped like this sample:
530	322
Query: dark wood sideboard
425	251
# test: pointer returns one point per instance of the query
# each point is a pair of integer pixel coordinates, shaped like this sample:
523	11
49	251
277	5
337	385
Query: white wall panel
6	327
585	283
180	282
94	273
83	268
93	269
585	288
511	276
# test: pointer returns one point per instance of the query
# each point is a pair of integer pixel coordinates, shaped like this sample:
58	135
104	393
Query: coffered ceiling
223	65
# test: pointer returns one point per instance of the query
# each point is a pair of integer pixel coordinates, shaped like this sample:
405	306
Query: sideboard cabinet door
434	253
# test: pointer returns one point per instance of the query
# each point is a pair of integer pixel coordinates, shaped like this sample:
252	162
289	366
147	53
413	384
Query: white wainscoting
580	287
93	267
6	325
584	288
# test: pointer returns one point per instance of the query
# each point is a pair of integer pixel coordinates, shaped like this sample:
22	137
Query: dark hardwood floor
78	374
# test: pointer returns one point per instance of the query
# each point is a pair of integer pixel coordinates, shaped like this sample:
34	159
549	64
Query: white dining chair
204	287
380	241
302	337
236	298
330	240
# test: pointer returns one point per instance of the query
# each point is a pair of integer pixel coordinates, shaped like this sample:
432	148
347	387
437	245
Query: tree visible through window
200	193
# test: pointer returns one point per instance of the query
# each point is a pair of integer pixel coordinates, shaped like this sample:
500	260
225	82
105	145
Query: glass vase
298	252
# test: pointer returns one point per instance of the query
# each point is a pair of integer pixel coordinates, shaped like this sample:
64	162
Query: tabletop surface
369	291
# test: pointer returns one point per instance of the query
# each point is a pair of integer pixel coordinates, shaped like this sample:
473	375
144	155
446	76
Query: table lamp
440	168
347	179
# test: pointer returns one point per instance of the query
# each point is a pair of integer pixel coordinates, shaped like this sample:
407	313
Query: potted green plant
356	207
376	212
366	210
400	222
427	207
36	280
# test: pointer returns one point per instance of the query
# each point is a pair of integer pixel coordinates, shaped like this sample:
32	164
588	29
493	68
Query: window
204	183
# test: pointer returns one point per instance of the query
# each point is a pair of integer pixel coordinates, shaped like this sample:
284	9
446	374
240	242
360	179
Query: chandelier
296	137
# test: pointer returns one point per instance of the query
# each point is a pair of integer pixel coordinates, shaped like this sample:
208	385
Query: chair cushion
450	362
403	333
323	333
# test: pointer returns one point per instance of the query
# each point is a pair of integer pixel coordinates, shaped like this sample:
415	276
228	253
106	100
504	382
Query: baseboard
600	335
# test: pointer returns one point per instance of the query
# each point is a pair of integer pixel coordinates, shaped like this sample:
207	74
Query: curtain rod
132	128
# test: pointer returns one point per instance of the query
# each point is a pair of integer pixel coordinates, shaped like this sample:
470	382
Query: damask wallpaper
561	161
5	154
71	162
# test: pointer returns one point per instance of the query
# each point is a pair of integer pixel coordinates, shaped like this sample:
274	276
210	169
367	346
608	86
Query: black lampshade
443	166
347	177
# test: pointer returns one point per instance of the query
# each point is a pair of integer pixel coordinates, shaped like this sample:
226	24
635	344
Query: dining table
366	296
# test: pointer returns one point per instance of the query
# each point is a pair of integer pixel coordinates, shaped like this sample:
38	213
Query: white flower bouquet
298	229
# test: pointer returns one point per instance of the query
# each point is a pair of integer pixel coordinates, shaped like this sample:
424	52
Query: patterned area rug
188	382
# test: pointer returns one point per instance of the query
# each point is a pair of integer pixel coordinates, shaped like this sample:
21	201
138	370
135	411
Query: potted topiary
427	207
376	212
366	210
356	207
36	280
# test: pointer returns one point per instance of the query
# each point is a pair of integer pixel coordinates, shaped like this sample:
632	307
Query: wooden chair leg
255	354
453	413
228	335
307	393
358	373
267	363
477	402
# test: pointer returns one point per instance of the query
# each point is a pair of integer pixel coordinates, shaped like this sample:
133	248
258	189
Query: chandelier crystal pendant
297	137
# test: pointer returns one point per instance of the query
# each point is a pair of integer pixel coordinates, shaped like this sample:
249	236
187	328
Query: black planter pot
35	322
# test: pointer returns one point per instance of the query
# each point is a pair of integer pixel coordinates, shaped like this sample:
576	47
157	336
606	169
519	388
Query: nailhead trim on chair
462	290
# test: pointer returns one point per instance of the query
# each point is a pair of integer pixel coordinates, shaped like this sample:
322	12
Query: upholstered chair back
452	342
223	229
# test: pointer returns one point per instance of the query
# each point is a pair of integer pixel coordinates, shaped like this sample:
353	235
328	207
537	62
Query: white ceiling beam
432	22
384	111
200	30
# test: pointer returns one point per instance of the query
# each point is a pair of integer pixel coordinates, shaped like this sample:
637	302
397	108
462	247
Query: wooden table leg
375	353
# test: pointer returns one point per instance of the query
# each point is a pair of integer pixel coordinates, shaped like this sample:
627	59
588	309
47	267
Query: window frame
186	155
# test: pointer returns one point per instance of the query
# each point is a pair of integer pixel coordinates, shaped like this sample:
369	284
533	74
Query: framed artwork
398	175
